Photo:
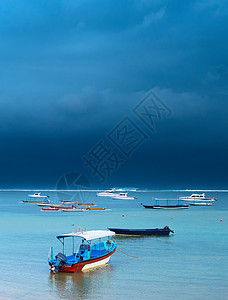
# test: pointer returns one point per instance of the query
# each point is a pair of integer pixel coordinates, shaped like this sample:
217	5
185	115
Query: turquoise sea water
191	264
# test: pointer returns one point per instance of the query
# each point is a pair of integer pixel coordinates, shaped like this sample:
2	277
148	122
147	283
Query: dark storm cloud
70	70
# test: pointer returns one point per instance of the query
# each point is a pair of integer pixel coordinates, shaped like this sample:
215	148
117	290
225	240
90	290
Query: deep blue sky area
128	93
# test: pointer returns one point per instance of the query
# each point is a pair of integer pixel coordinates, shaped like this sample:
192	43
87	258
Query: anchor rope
126	253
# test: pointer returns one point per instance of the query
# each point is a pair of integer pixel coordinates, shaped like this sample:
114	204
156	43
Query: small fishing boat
182	206
37	198
95	208
73	209
68	202
93	251
63	207
167	206
139	232
50	208
48	205
85	204
123	196
76	202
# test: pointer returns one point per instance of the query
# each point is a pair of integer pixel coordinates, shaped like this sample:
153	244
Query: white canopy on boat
89	235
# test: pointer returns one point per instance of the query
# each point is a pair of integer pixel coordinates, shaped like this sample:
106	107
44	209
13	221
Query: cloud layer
70	70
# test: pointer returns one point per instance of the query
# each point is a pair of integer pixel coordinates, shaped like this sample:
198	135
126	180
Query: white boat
38	195
37	198
73	209
108	193
123	196
197	197
201	203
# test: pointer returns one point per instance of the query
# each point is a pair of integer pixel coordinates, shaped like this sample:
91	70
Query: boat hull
140	232
124	198
200	204
85	265
36	201
73	210
50	209
166	206
95	208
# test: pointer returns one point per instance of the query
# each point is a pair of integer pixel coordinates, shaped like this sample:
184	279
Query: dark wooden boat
180	206
136	232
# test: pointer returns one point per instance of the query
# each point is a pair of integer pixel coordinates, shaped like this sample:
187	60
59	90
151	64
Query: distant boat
48	205
182	206
107	193
75	202
50	208
95	208
94	251
139	232
73	209
37	198
38	195
168	205
197	197
85	204
200	203
123	196
54	207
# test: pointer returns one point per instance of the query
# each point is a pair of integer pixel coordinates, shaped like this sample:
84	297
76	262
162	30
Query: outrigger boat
48	205
76	202
92	252
167	206
95	208
50	209
37	198
141	232
74	209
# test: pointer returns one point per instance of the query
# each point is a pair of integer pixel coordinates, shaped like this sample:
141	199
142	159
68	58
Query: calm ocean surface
191	264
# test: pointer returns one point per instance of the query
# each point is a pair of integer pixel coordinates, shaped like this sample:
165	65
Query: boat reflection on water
81	285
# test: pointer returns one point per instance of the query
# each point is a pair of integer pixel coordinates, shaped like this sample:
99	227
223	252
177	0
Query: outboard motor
167	228
60	261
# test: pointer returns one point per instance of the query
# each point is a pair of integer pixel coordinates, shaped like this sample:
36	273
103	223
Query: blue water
191	264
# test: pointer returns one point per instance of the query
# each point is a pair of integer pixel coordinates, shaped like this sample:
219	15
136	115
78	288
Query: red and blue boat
96	249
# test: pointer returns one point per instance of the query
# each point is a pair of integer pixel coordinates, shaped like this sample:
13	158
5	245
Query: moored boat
107	193
200	203
123	196
197	197
50	208
139	232
168	205
37	198
181	206
38	195
73	209
95	208
92	252
76	202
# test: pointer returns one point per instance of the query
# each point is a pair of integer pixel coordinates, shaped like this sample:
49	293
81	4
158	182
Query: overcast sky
71	71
